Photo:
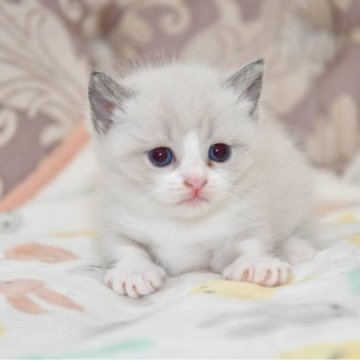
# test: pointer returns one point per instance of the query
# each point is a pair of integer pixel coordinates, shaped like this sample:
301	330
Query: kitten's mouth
193	200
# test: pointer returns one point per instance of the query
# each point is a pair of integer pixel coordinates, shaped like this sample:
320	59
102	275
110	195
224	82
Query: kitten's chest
180	258
206	233
180	247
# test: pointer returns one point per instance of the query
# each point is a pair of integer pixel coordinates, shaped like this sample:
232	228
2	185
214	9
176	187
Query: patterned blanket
53	303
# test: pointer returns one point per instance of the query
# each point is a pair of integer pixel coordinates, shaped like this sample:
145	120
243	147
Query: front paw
135	283
264	271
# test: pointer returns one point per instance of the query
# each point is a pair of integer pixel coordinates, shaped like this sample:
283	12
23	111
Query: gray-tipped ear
247	82
105	95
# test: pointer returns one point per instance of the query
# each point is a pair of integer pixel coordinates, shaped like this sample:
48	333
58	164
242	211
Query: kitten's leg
255	265
297	249
132	272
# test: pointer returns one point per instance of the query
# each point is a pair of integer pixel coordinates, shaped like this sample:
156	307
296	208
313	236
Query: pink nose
195	183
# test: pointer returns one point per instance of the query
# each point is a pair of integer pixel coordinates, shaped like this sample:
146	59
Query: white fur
257	200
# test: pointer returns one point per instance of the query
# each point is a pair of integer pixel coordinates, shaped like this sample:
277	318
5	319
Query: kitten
196	177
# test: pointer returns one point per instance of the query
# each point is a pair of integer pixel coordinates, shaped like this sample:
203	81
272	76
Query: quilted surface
54	303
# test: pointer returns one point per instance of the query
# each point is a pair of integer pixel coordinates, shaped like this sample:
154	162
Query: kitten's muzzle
196	186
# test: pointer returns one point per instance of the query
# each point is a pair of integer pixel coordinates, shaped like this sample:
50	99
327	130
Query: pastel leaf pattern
42	253
57	299
17	294
26	305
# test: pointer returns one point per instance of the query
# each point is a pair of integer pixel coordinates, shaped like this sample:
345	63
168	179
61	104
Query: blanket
54	304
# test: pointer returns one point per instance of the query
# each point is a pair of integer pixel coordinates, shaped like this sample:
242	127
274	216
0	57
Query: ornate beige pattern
73	10
47	48
334	141
8	125
310	47
43	83
355	35
343	5
231	33
1	188
49	84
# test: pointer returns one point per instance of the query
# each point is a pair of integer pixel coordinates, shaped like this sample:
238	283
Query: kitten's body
258	203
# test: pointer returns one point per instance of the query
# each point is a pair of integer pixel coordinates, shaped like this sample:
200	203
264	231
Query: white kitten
194	178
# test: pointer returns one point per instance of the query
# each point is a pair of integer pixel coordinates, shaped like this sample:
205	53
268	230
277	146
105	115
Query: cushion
311	47
44	67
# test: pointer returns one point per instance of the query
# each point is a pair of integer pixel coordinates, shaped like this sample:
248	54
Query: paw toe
134	284
265	272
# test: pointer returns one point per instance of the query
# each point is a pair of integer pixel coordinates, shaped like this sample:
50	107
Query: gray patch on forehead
178	123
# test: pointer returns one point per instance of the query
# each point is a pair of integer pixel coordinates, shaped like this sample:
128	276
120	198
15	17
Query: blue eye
219	152
161	156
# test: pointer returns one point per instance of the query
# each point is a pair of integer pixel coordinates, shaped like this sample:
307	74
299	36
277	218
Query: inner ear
105	95
247	82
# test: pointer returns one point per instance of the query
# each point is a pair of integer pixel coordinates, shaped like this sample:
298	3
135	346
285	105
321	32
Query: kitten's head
178	137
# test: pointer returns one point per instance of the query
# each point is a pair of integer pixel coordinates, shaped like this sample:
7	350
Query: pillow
44	68
311	48
328	117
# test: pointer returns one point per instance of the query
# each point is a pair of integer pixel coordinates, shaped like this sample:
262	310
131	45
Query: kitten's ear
105	95
247	82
